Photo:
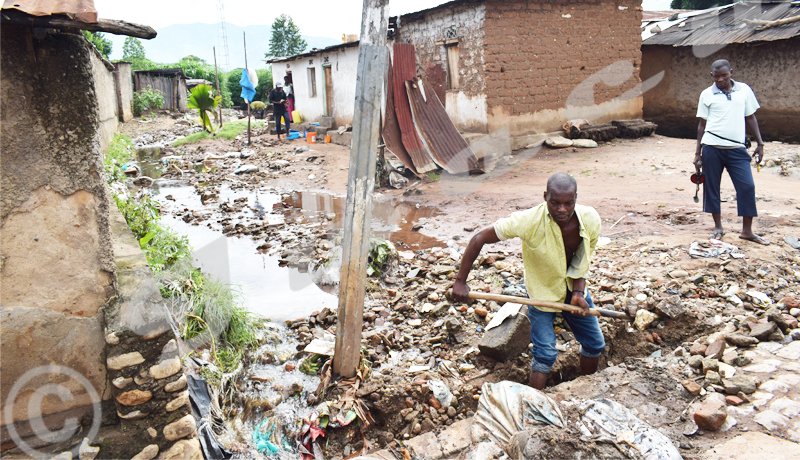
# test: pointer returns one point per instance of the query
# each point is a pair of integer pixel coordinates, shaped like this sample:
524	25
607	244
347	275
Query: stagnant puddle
276	292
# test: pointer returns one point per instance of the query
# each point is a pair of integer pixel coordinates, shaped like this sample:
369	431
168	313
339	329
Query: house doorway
328	91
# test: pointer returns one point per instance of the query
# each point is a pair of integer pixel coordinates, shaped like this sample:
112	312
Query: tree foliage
233	86
697	4
264	84
99	41
286	39
133	49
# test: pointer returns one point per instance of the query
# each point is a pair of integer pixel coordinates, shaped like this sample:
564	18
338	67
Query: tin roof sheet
392	136
82	10
405	68
727	24
445	144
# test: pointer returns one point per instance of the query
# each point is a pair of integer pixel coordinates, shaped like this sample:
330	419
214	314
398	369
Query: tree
286	39
99	41
264	84
133	49
697	4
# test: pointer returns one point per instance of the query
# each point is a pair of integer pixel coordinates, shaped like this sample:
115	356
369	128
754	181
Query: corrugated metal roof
727	24
444	142
82	10
312	52
392	136
405	68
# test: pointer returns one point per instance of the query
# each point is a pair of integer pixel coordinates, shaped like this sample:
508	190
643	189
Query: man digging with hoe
558	241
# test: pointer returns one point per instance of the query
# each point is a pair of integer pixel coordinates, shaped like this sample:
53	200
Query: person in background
289	90
727	110
278	100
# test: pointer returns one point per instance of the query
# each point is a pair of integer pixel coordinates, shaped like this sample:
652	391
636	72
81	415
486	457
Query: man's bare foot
755	239
717	234
537	380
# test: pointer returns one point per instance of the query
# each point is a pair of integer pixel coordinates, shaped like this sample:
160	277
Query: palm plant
202	100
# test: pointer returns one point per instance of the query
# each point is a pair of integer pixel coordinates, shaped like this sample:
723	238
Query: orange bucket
327	139
311	137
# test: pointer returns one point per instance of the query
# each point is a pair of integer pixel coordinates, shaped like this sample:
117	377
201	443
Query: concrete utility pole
360	184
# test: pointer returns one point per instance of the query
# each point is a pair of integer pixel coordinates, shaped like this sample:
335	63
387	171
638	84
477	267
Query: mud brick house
84	337
524	66
765	58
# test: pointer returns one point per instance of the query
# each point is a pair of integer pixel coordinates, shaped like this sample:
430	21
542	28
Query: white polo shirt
724	114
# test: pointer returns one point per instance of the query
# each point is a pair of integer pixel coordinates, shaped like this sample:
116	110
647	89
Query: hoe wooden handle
547	304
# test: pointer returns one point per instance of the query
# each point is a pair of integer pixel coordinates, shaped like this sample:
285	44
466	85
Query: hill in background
179	40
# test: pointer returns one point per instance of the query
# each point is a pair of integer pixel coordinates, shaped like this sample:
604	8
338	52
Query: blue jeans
737	162
543	335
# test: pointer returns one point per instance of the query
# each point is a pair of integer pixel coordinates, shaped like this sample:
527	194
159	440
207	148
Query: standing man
558	241
278	100
726	111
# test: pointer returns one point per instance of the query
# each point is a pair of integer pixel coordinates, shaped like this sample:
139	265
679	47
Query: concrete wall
763	66
107	104
547	62
466	105
344	67
124	82
57	269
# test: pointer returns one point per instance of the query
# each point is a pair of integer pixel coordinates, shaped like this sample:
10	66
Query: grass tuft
228	132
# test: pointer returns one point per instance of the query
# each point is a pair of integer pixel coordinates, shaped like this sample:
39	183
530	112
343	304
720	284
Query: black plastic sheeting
200	398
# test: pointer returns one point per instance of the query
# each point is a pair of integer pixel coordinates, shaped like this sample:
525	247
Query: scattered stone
794	312
644	319
678	274
121	382
112	338
116	363
726	371
67	455
134	397
711	415
87	452
771	420
762	331
786	406
713	378
152	432
692	387
776	316
695	362
135	415
733	400
740	383
741	340
507	340
715	350
671	307
289	367
710	364
698	349
773	386
557	142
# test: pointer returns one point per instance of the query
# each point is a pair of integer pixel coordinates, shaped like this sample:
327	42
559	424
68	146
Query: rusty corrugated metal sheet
438	78
444	142
391	129
405	68
725	25
82	10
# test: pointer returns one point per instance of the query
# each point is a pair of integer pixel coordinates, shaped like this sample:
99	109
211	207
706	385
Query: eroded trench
269	389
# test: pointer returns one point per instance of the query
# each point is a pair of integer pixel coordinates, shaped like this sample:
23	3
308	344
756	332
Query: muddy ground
642	191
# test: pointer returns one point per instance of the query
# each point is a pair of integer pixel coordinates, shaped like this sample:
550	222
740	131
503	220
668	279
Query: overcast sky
319	18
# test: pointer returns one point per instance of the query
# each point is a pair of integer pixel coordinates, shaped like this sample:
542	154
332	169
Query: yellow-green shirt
547	276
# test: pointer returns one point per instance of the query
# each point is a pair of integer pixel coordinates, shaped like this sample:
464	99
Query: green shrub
258	105
147	99
202	100
120	151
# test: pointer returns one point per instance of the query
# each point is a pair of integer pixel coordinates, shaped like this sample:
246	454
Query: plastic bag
603	418
506	408
441	392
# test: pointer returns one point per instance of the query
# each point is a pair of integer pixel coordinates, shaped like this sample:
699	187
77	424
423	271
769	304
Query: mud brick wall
672	104
547	62
427	30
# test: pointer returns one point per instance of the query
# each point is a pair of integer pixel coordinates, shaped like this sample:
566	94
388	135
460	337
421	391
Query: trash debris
244	169
715	248
441	392
604	419
506	408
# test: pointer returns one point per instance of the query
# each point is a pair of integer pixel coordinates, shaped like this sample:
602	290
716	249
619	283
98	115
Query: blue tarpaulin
248	89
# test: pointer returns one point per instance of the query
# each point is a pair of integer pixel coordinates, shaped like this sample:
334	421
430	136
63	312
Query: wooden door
328	91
